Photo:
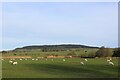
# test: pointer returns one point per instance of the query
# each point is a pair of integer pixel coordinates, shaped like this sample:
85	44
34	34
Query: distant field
70	68
38	53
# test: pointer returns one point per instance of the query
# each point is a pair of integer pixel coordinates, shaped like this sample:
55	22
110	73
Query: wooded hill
62	47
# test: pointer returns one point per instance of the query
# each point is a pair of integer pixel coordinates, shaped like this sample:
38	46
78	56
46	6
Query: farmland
63	53
33	62
71	68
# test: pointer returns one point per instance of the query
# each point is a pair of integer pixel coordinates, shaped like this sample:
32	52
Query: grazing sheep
10	61
25	59
14	63
86	60
33	59
20	59
63	59
111	63
82	63
108	60
36	59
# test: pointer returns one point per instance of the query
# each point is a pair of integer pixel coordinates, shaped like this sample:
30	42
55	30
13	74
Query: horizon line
58	44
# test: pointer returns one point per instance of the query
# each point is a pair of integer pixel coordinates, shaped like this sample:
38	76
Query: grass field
71	68
62	53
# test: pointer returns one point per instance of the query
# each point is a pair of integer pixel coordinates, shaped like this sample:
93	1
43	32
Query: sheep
86	60
20	59
82	63
36	59
10	61
33	59
108	60
14	63
25	59
46	59
63	59
111	63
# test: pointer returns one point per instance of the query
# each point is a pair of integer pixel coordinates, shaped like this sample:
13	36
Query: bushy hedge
104	52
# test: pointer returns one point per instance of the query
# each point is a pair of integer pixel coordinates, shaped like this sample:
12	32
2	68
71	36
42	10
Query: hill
45	48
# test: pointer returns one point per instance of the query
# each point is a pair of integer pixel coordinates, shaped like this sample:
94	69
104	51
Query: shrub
104	52
116	52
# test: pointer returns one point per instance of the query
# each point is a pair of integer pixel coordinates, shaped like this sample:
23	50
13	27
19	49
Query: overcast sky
57	23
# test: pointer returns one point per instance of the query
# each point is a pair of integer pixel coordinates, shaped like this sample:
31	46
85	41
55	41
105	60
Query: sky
42	23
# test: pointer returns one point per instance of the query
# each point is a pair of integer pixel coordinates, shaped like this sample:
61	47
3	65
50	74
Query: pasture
57	68
35	53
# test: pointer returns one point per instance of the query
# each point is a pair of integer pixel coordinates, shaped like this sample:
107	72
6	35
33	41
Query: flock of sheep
13	62
108	60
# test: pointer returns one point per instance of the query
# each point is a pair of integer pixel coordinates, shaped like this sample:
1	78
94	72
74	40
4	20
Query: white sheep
108	60
33	59
111	63
36	59
10	61
20	59
82	63
25	59
14	63
86	60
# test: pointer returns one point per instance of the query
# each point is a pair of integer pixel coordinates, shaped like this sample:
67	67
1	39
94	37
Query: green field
71	68
35	53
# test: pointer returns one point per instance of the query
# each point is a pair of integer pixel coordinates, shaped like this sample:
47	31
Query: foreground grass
71	68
